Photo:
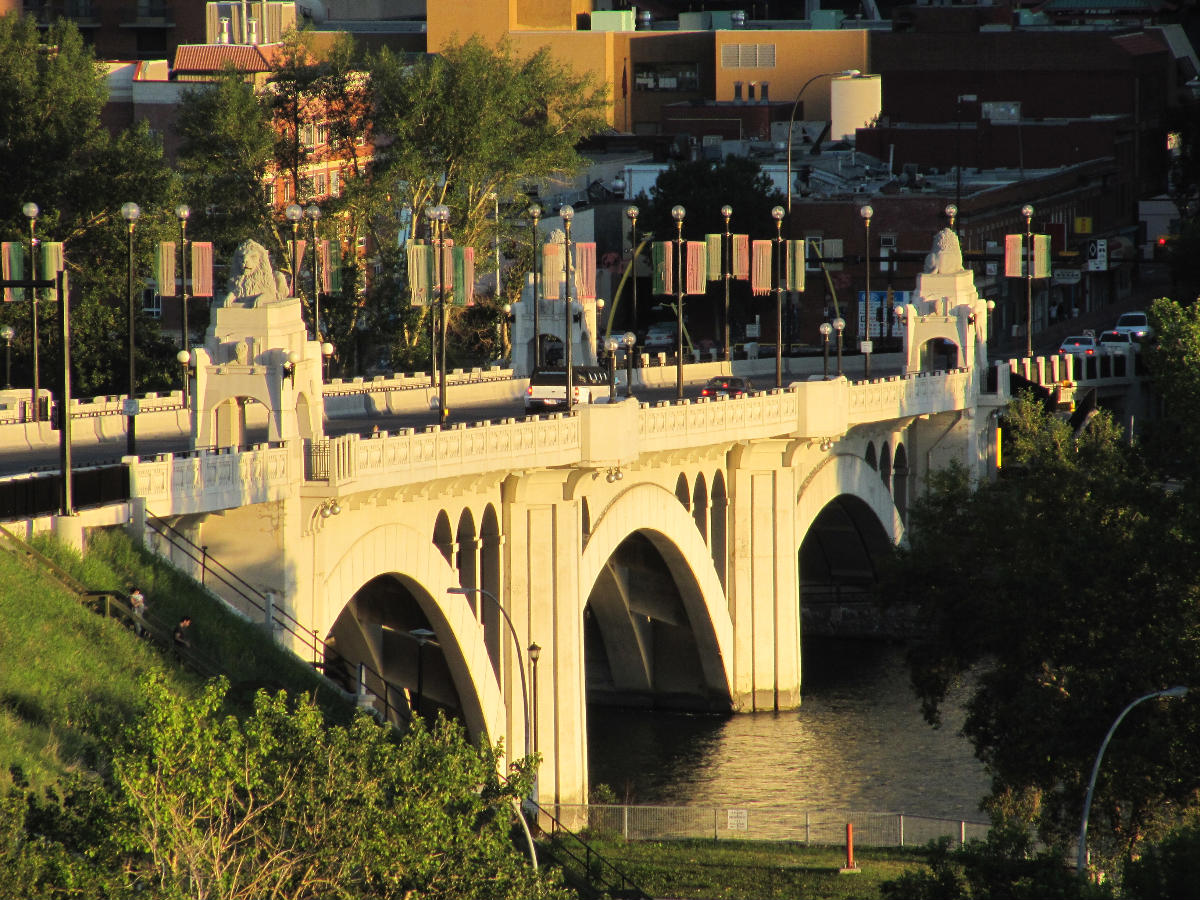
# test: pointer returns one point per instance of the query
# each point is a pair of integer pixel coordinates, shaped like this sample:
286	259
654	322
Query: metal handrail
622	882
256	599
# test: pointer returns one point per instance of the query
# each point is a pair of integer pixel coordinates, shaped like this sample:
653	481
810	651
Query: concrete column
543	533
762	581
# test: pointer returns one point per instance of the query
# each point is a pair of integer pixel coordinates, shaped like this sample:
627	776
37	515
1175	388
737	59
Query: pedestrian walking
183	633
137	602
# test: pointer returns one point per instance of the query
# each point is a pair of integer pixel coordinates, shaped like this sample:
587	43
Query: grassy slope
68	676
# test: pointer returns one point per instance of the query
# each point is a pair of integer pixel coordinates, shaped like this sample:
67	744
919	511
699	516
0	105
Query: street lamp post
7	333
839	325
182	212
847	73
568	213
422	636
130	212
866	212
1027	212
632	213
535	653
313	213
535	213
1081	860
294	214
443	213
435	241
727	272
826	328
677	213
31	211
611	345
777	214
629	340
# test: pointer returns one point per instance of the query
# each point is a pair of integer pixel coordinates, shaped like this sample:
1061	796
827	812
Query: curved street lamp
1081	861
845	73
631	213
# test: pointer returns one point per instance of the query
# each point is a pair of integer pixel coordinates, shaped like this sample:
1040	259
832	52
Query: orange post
849	845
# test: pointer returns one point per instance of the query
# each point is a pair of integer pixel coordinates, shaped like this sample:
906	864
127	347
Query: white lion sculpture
946	256
252	281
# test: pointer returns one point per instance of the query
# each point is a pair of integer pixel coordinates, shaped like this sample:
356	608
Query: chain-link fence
825	826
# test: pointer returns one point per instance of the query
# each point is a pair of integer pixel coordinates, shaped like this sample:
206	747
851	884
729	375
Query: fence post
901	829
962	833
203	564
625	821
715	825
807	829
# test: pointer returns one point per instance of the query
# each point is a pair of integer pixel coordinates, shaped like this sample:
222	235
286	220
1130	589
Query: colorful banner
795	266
52	263
420	273
463	269
760	267
715	258
585	270
164	269
696	281
662	256
553	273
12	268
741	256
1014	252
202	268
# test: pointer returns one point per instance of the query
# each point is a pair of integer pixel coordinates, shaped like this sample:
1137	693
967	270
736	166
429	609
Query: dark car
727	386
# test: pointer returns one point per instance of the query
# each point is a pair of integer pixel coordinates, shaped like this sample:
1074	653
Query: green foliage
1167	870
1174	363
1003	867
702	187
1059	591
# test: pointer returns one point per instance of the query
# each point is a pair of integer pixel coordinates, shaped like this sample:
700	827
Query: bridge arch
842	474
403	553
646	509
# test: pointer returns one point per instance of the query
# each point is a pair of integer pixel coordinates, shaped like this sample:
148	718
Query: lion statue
946	256
251	280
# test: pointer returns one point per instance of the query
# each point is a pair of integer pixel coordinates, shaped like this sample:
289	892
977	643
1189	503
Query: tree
283	805
1173	360
1058	592
455	129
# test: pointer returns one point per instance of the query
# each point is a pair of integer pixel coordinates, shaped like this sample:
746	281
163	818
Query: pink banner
585	270
760	280
697	267
202	268
741	256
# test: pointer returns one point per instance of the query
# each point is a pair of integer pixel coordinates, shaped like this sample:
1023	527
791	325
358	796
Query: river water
858	741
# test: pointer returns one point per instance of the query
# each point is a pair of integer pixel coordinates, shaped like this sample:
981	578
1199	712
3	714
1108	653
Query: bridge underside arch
848	521
391	582
656	627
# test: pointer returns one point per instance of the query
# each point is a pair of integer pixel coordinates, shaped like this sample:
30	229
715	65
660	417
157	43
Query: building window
747	56
335	183
667	77
152	303
814	244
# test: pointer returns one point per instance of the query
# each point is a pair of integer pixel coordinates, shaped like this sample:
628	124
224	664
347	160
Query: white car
660	336
1078	345
1136	325
1118	342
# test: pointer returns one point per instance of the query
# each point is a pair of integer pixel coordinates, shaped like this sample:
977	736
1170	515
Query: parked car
1078	345
659	337
1118	342
1136	325
727	386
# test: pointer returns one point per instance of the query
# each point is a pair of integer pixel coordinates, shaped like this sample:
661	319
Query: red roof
214	57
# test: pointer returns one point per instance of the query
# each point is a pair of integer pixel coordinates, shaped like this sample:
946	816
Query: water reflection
857	742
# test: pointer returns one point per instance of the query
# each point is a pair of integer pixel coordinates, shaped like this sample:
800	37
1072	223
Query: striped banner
296	261
463	268
760	267
12	267
164	268
662	255
1014	252
553	273
53	262
696	281
420	273
795	265
202	268
333	283
585	270
323	257
741	256
715	261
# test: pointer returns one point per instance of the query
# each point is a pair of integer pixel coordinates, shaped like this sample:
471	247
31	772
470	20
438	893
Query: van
547	387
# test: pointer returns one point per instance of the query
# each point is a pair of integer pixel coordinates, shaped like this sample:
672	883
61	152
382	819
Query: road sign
1097	255
1067	276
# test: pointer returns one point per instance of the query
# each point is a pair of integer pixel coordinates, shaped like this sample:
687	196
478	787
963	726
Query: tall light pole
568	213
839	325
182	212
611	345
7	333
629	340
677	213
435	242
31	211
313	214
495	197
847	73
443	214
294	214
632	213
535	213
130	212
1027	212
777	214
1081	860
727	272
535	653
866	212
826	329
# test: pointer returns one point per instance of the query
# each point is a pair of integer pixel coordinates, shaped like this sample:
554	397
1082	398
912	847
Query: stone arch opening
900	475
585	529
719	521
869	457
682	493
700	507
490	556
240	421
442	538
384	626
466	555
939	354
885	466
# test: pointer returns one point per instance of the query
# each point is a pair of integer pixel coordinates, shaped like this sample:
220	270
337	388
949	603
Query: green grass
69	676
747	870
